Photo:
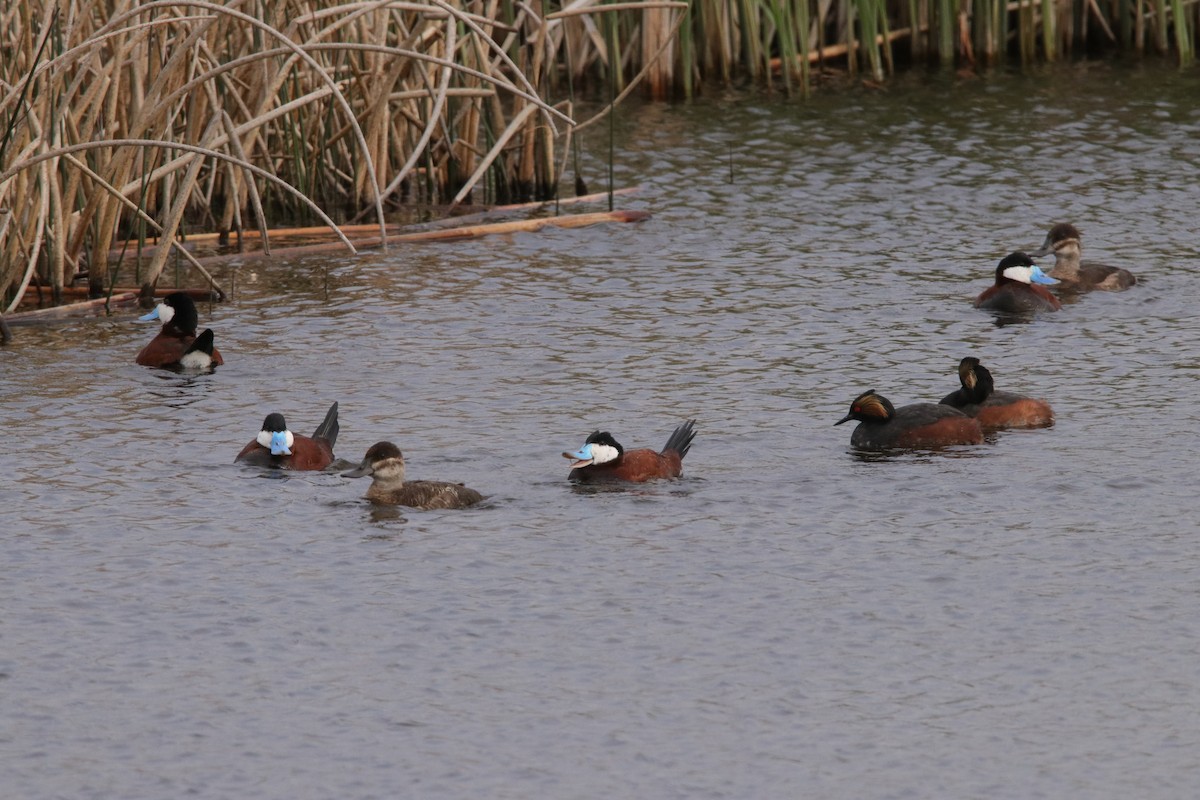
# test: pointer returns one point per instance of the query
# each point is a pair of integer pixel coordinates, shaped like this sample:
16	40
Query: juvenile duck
977	398
1015	290
385	464
276	446
1063	241
882	426
603	460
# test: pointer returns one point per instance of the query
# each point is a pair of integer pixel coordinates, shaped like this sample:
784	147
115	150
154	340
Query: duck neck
386	479
1067	256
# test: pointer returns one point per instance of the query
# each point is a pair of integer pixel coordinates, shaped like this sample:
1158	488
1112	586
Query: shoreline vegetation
124	124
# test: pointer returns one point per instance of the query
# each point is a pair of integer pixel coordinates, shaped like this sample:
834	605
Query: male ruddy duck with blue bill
276	446
176	344
385	464
1072	272
1019	288
882	426
995	410
603	460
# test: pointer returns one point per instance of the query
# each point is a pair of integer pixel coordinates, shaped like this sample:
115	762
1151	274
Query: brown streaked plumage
385	464
1075	274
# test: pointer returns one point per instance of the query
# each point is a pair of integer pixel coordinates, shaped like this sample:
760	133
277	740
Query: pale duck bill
1037	276
161	311
583	456
280	443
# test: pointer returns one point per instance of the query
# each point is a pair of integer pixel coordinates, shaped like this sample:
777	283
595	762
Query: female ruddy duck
1016	290
603	460
385	464
176	344
977	398
882	426
276	446
1076	276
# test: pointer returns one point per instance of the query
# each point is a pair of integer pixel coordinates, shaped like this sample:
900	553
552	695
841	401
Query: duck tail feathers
681	438
328	429
202	343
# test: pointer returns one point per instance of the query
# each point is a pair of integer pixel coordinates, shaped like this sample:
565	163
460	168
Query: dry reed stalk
171	113
341	106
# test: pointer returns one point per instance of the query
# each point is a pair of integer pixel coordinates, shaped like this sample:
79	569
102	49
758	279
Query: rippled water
790	620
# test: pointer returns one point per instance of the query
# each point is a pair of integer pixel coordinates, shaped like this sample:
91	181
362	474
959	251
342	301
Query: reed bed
781	39
124	122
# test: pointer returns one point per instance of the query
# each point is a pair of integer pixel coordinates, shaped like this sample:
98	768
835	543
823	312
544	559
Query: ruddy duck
276	446
385	464
882	426
1016	290
977	398
603	460
177	335
1076	276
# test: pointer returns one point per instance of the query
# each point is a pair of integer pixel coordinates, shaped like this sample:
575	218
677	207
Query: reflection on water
790	613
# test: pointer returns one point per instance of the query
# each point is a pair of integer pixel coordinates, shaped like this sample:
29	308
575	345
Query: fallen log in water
459	220
70	309
446	234
454	232
84	292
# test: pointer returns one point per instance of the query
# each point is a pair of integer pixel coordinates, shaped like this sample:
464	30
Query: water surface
789	620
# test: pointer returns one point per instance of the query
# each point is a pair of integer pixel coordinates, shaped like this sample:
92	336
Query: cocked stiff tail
328	429
202	344
681	438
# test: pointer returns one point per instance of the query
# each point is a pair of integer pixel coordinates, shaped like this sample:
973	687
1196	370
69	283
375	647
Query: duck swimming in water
882	426
603	460
276	446
1076	275
1019	288
995	410
385	464
177	339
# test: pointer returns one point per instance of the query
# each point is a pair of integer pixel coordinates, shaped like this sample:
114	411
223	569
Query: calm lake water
1015	620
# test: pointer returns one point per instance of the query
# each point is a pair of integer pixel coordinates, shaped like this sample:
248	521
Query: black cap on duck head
1017	259
178	312
1018	267
275	436
869	407
599	448
605	438
274	423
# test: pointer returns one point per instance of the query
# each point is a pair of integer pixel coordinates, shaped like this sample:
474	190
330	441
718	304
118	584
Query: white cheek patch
264	438
602	453
1022	274
165	312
